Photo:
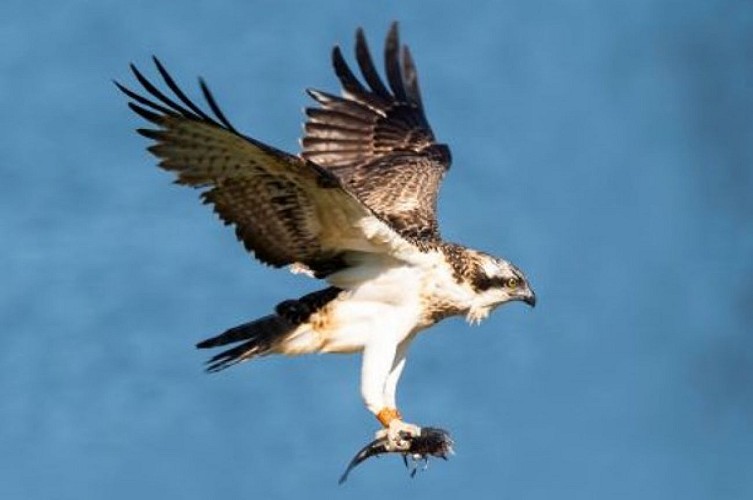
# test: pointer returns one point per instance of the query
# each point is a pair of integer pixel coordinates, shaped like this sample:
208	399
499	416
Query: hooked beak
529	298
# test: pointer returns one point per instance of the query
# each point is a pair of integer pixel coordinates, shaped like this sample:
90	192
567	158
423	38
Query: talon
423	443
398	435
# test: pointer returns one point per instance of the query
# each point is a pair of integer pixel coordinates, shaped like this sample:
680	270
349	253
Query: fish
431	442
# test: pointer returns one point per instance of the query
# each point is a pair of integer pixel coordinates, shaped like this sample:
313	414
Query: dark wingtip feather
168	106
157	93
119	85
143	100
392	62
368	70
410	78
177	91
348	80
214	107
145	113
128	92
150	133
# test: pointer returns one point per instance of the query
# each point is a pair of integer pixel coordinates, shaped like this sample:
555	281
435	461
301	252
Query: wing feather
368	70
285	209
178	92
377	140
410	74
392	64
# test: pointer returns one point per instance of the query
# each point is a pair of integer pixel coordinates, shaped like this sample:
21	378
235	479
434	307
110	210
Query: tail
260	336
265	335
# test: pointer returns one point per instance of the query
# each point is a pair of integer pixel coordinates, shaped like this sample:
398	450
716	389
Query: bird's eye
512	283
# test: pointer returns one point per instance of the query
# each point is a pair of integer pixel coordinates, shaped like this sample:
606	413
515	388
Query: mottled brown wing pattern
282	206
377	139
397	199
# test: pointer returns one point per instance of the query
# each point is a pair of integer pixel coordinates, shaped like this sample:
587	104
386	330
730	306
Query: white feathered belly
385	306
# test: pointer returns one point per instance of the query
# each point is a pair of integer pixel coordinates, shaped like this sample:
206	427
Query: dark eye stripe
484	283
499	282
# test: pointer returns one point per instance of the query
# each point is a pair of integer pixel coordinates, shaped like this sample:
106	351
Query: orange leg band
387	415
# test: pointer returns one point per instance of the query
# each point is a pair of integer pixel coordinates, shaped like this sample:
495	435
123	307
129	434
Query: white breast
387	297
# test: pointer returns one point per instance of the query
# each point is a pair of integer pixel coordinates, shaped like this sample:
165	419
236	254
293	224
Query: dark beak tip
531	300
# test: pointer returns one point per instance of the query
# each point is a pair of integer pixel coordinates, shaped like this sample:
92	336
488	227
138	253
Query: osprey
356	208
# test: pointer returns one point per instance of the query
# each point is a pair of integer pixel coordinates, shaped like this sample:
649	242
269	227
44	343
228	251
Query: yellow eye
512	282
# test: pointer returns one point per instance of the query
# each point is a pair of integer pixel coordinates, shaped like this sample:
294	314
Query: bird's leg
382	363
396	430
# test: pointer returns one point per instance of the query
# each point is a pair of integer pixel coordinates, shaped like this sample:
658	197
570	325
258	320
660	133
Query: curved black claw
431	442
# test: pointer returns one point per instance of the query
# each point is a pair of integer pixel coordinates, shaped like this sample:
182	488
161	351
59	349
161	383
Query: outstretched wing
378	141
285	209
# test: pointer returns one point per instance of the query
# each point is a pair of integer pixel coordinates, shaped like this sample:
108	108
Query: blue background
605	147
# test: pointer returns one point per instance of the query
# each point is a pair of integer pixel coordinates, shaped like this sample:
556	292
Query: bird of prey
356	209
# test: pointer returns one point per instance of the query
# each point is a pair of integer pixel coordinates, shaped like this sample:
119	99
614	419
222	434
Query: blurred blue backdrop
604	146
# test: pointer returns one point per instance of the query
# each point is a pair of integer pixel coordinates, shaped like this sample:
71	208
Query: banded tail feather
259	338
265	335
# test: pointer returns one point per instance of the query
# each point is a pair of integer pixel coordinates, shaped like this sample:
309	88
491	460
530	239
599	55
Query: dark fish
431	442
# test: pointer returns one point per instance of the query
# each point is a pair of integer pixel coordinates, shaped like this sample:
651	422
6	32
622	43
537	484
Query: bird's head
495	282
